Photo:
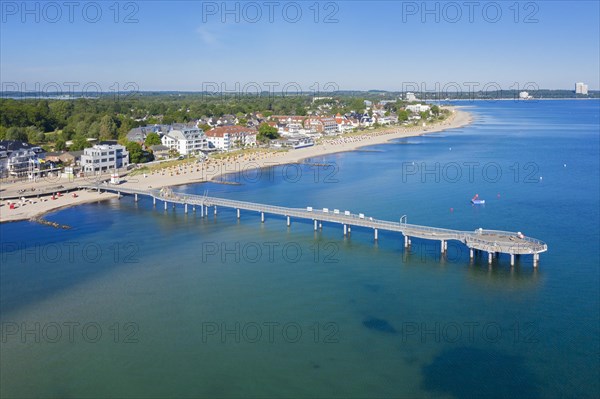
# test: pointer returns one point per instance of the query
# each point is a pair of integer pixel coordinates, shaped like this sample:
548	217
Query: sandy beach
212	168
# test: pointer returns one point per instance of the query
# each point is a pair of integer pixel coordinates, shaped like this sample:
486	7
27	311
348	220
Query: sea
135	301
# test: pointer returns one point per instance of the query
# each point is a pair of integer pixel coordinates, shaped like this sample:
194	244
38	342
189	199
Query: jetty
493	242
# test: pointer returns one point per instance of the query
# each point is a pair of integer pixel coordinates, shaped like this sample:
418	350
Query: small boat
476	201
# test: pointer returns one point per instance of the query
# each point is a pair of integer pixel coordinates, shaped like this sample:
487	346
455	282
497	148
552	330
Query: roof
233	130
159	147
14	145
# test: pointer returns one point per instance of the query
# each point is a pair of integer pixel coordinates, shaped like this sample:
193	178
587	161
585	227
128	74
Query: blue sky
389	45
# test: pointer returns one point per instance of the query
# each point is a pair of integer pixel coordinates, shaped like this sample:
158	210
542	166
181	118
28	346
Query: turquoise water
138	302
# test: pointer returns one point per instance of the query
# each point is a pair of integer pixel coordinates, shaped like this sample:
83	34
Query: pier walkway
490	241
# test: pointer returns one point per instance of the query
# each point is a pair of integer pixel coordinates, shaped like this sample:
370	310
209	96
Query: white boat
476	201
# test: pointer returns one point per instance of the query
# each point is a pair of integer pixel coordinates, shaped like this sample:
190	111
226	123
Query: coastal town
35	181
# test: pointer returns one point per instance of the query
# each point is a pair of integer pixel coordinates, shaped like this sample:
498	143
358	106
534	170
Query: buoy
451	209
541	177
564	165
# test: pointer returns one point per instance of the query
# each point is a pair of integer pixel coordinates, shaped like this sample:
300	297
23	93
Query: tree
79	143
34	135
152	139
108	128
136	155
267	132
16	133
60	145
402	115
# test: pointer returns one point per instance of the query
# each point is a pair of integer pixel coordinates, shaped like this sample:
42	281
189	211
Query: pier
492	242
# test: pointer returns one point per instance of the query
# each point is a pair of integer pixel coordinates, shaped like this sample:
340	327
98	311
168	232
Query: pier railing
480	239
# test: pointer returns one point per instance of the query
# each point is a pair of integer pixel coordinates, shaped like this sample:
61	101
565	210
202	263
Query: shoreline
216	168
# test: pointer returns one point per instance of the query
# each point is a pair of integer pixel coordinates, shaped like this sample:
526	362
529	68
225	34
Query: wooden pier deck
490	241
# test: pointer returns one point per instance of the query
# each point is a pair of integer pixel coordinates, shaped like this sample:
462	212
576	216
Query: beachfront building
581	88
228	137
322	125
104	157
21	161
344	124
289	124
139	134
416	108
185	140
386	120
18	157
160	151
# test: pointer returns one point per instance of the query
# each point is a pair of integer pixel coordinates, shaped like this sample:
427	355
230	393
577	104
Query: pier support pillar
315	224
136	198
154	201
345	230
405	241
262	217
194	208
512	259
442	246
375	234
185	210
320	225
349	229
490	258
471	253
166	204
174	204
201	210
215	210
238	213
536	259
118	194
445	246
289	223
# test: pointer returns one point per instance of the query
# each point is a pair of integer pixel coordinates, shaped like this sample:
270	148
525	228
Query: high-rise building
581	88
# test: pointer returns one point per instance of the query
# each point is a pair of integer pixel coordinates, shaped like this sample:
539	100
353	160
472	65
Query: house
344	124
160	151
185	140
387	120
21	162
71	157
15	157
228	137
104	157
416	108
138	134
321	124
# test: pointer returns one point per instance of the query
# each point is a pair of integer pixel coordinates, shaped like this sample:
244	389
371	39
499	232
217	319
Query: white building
581	88
185	140
411	97
417	108
104	157
524	95
229	137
